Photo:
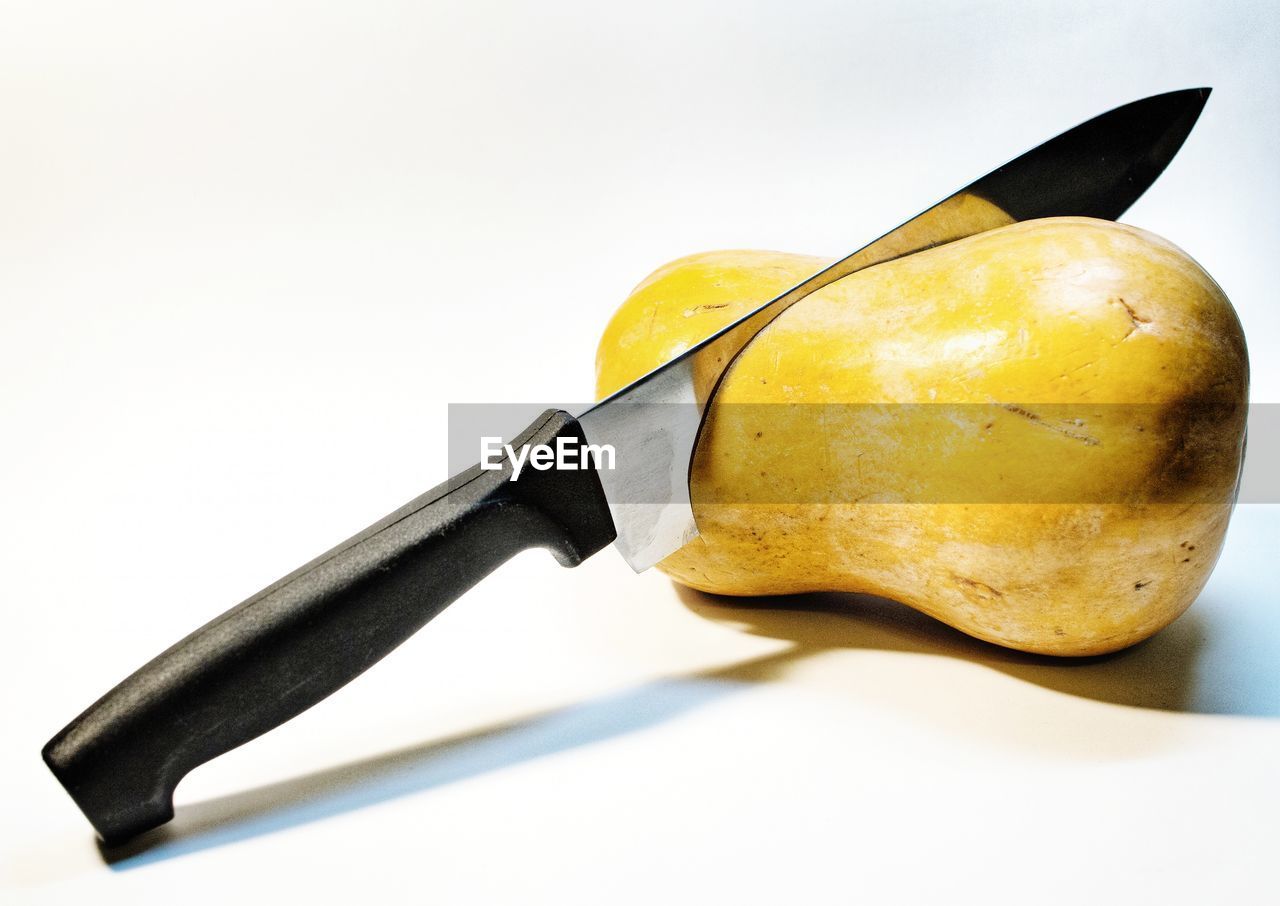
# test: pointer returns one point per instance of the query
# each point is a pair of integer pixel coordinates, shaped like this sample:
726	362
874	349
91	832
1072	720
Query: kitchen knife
299	640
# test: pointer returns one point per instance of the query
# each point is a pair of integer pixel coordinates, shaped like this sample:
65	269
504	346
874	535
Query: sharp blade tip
1202	93
1190	96
1195	97
1181	108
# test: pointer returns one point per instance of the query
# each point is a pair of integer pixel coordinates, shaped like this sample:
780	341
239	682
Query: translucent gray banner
838	453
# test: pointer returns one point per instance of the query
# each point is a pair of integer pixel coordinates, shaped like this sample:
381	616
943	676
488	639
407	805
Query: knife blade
1097	169
302	638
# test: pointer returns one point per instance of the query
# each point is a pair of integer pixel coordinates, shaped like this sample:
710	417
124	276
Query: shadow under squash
1165	672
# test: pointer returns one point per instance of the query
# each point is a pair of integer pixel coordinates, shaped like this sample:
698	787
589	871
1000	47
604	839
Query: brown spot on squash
975	589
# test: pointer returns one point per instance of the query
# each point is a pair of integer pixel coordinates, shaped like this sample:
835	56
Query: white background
249	252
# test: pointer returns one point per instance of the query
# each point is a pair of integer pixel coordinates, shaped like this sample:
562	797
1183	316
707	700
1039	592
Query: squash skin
1125	509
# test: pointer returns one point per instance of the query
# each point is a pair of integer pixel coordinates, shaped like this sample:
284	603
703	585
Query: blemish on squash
1188	425
981	589
690	312
1135	320
1036	419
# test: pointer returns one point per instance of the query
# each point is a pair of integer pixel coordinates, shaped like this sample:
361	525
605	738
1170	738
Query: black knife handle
297	641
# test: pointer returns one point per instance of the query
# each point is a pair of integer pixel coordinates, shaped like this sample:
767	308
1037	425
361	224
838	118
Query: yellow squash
1033	434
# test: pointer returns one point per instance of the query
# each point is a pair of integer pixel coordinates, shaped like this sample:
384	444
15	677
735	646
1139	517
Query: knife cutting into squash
979	302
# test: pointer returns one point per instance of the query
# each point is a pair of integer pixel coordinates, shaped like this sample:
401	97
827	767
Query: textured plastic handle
296	642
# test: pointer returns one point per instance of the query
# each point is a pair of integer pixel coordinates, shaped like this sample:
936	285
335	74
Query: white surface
248	253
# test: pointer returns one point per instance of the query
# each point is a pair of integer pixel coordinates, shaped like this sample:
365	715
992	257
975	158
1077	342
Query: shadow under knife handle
299	640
